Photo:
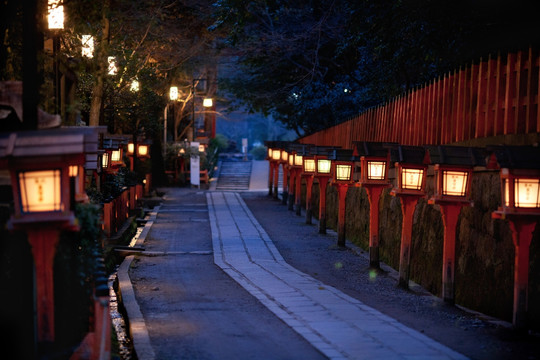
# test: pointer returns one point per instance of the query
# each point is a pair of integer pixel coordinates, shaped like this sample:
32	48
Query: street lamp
453	175
342	168
411	180
323	168
40	179
374	160
207	103
55	21
520	194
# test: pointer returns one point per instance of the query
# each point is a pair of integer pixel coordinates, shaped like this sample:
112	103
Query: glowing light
87	46
411	179
526	193
135	86
173	93
56	15
208	102
376	170
309	165
142	150
73	170
112	70
323	166
455	183
40	191
343	172
115	155
276	154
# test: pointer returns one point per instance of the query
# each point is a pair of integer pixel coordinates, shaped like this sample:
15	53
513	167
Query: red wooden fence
495	97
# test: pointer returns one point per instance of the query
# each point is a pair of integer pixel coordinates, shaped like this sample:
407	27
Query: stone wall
484	248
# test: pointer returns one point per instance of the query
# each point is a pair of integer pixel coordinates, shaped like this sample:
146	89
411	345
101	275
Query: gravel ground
473	335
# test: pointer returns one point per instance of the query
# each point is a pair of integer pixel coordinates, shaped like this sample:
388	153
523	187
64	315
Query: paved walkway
339	326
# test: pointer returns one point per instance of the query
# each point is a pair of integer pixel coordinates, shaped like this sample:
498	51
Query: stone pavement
337	325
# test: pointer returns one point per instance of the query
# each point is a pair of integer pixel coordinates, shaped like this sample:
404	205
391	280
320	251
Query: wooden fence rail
495	97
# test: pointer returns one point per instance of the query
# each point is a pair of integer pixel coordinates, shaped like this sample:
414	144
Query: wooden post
374	194
522	232
309	190
323	182
292	179
43	242
298	194
342	196
285	184
450	214
270	177
276	180
408	205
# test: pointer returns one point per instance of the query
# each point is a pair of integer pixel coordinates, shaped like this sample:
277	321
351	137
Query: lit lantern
298	160
520	187
453	175
290	160
276	154
201	148
411	170
135	86
520	178
308	165
284	156
142	150
42	201
112	69
55	16
130	148
116	155
324	166
105	160
173	93
207	102
374	161
87	46
269	153
342	163
73	171
411	175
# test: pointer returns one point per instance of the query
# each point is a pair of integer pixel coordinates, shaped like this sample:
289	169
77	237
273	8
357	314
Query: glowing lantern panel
73	170
173	93
115	155
343	172
56	15
105	160
309	165
297	160
130	148
208	102
291	159
323	166
87	46
276	154
411	179
284	155
376	170
526	193
454	183
40	191
143	150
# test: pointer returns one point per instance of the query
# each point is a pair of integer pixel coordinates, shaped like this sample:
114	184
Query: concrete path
339	326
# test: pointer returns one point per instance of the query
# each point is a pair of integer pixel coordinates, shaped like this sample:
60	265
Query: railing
494	97
116	211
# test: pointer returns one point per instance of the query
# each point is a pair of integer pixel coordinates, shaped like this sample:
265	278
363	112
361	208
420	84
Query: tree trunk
101	58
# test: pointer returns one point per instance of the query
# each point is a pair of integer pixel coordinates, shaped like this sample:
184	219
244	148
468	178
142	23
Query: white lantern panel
309	165
343	172
323	166
411	179
455	183
40	191
376	170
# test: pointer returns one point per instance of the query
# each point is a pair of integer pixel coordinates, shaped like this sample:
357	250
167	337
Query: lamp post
323	168
411	182
284	161
207	103
374	160
308	172
453	175
520	194
342	177
40	178
173	96
269	146
55	21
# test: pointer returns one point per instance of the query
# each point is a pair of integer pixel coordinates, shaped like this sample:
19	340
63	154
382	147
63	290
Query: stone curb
137	327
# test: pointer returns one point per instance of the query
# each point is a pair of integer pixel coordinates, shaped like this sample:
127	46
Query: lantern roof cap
455	155
41	143
322	150
407	154
342	155
513	157
368	148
